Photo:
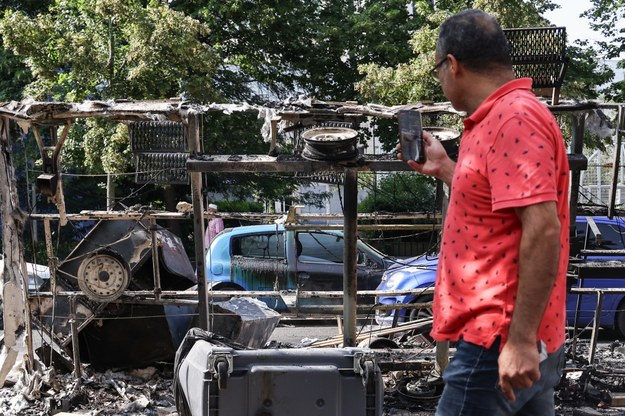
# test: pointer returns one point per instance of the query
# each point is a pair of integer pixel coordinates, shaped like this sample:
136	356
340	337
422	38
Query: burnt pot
330	143
450	138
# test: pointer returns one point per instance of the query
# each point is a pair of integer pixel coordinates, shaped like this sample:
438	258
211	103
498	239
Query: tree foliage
111	48
274	49
409	82
398	192
247	50
608	17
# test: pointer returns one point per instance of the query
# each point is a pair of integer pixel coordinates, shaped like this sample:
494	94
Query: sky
568	15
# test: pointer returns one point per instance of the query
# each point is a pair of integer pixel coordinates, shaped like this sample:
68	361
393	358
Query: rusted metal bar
195	146
616	166
13	275
371	227
75	347
350	256
403	327
155	263
300	218
595	328
168	294
577	146
290	163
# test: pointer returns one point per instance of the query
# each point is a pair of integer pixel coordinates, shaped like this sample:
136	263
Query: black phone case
410	139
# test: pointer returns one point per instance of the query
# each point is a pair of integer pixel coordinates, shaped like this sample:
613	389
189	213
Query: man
501	281
215	226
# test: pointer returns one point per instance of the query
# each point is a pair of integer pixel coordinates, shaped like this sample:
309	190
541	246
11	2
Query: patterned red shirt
511	155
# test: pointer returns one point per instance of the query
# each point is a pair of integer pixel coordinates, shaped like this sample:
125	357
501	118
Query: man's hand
437	163
518	367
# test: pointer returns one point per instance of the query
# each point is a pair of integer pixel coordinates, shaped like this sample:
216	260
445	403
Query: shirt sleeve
521	165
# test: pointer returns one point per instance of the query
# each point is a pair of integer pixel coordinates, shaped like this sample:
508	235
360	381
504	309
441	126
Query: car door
612	238
258	261
320	262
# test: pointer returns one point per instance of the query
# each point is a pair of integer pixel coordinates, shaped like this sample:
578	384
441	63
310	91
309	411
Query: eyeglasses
434	71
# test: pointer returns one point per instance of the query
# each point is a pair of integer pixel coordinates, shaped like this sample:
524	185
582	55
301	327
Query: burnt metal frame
199	163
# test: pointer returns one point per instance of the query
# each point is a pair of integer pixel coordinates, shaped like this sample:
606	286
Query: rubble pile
585	390
146	391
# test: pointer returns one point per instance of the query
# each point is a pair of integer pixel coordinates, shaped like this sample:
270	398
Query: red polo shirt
511	155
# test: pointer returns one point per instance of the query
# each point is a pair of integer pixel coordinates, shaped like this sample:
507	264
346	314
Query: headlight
393	280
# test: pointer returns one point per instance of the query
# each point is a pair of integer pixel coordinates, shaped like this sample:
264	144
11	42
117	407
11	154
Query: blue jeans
471	385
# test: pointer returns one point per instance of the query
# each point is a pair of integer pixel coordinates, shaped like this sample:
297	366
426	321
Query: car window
265	246
320	247
323	247
612	236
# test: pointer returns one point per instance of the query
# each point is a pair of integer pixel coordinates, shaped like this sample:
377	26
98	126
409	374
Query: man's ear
453	64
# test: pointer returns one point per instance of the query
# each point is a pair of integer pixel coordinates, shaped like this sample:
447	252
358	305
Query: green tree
14	75
111	48
398	192
274	49
410	82
607	16
101	49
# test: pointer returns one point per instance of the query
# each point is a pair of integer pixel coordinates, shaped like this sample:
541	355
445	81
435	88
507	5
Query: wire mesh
539	53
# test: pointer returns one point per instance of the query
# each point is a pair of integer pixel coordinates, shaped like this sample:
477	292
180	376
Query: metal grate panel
539	53
162	168
160	149
157	136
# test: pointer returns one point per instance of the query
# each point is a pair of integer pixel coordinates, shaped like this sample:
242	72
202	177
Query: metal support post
193	127
155	262
74	328
616	165
350	256
595	328
577	147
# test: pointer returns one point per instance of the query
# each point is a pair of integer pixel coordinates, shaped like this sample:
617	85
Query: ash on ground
585	390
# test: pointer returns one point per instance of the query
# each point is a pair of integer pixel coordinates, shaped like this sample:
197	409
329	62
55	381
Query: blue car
420	273
275	258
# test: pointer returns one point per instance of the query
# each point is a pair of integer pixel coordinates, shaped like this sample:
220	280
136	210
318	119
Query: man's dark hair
475	39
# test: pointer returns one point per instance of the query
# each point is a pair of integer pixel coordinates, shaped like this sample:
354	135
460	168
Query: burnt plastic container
215	380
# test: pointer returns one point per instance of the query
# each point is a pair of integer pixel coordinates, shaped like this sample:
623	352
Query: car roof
264	228
245	229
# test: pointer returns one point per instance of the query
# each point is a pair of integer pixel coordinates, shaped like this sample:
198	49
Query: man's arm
539	255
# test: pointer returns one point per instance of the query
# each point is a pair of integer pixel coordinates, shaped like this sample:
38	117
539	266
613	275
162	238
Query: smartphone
410	138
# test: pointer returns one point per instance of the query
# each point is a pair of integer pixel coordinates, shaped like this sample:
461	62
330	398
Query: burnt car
114	258
275	258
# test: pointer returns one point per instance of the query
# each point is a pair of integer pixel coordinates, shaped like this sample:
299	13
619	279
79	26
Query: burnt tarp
246	321
114	331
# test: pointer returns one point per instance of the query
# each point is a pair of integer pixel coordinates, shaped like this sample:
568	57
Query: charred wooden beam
14	276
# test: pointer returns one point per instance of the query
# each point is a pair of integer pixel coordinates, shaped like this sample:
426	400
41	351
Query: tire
421	314
619	320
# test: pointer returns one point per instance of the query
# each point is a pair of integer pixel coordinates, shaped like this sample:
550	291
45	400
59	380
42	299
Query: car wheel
223	287
619	320
421	313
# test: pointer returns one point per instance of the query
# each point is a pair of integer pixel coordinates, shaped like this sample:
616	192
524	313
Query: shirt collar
484	108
